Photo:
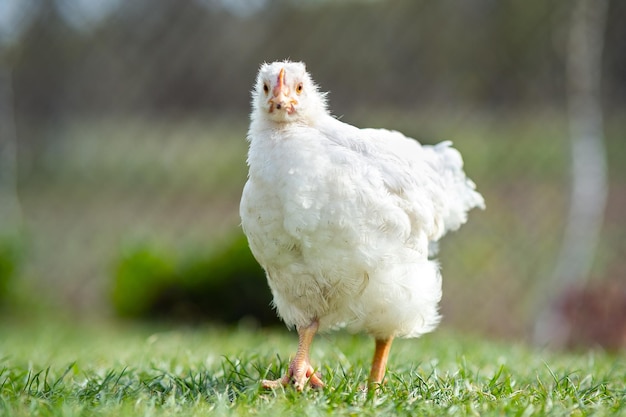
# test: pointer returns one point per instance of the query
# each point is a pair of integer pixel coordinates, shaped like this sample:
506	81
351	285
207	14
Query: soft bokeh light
130	120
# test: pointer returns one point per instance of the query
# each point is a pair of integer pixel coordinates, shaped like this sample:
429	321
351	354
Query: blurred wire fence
126	121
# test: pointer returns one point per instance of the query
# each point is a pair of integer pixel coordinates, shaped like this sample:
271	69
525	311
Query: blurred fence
130	121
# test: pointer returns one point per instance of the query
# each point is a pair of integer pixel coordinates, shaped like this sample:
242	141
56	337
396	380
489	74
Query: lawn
101	368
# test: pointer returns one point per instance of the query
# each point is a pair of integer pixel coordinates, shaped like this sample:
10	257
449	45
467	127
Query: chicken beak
280	84
281	95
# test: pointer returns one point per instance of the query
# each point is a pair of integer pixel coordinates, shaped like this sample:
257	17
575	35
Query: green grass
103	369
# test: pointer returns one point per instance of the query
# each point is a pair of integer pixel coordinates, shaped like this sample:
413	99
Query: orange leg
379	364
300	370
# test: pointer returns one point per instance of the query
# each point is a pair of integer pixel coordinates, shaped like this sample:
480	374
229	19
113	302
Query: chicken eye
299	88
266	88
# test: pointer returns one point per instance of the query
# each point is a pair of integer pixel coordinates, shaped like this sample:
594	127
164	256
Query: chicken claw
300	371
299	375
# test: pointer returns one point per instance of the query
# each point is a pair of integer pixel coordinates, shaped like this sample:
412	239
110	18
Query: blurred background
122	150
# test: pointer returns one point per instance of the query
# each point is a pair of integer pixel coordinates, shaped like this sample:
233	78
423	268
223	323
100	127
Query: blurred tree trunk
10	212
589	185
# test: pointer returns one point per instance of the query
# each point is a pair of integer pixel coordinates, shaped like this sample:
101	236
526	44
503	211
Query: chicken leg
300	370
379	363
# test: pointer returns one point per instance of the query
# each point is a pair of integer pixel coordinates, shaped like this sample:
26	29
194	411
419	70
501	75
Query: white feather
341	218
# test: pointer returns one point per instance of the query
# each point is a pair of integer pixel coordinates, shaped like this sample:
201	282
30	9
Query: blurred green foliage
143	276
373	54
135	124
225	285
10	256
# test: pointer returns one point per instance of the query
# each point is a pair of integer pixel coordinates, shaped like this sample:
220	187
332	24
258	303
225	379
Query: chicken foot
379	363
300	370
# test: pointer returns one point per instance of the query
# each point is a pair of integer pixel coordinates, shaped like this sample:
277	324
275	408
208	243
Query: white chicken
342	219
